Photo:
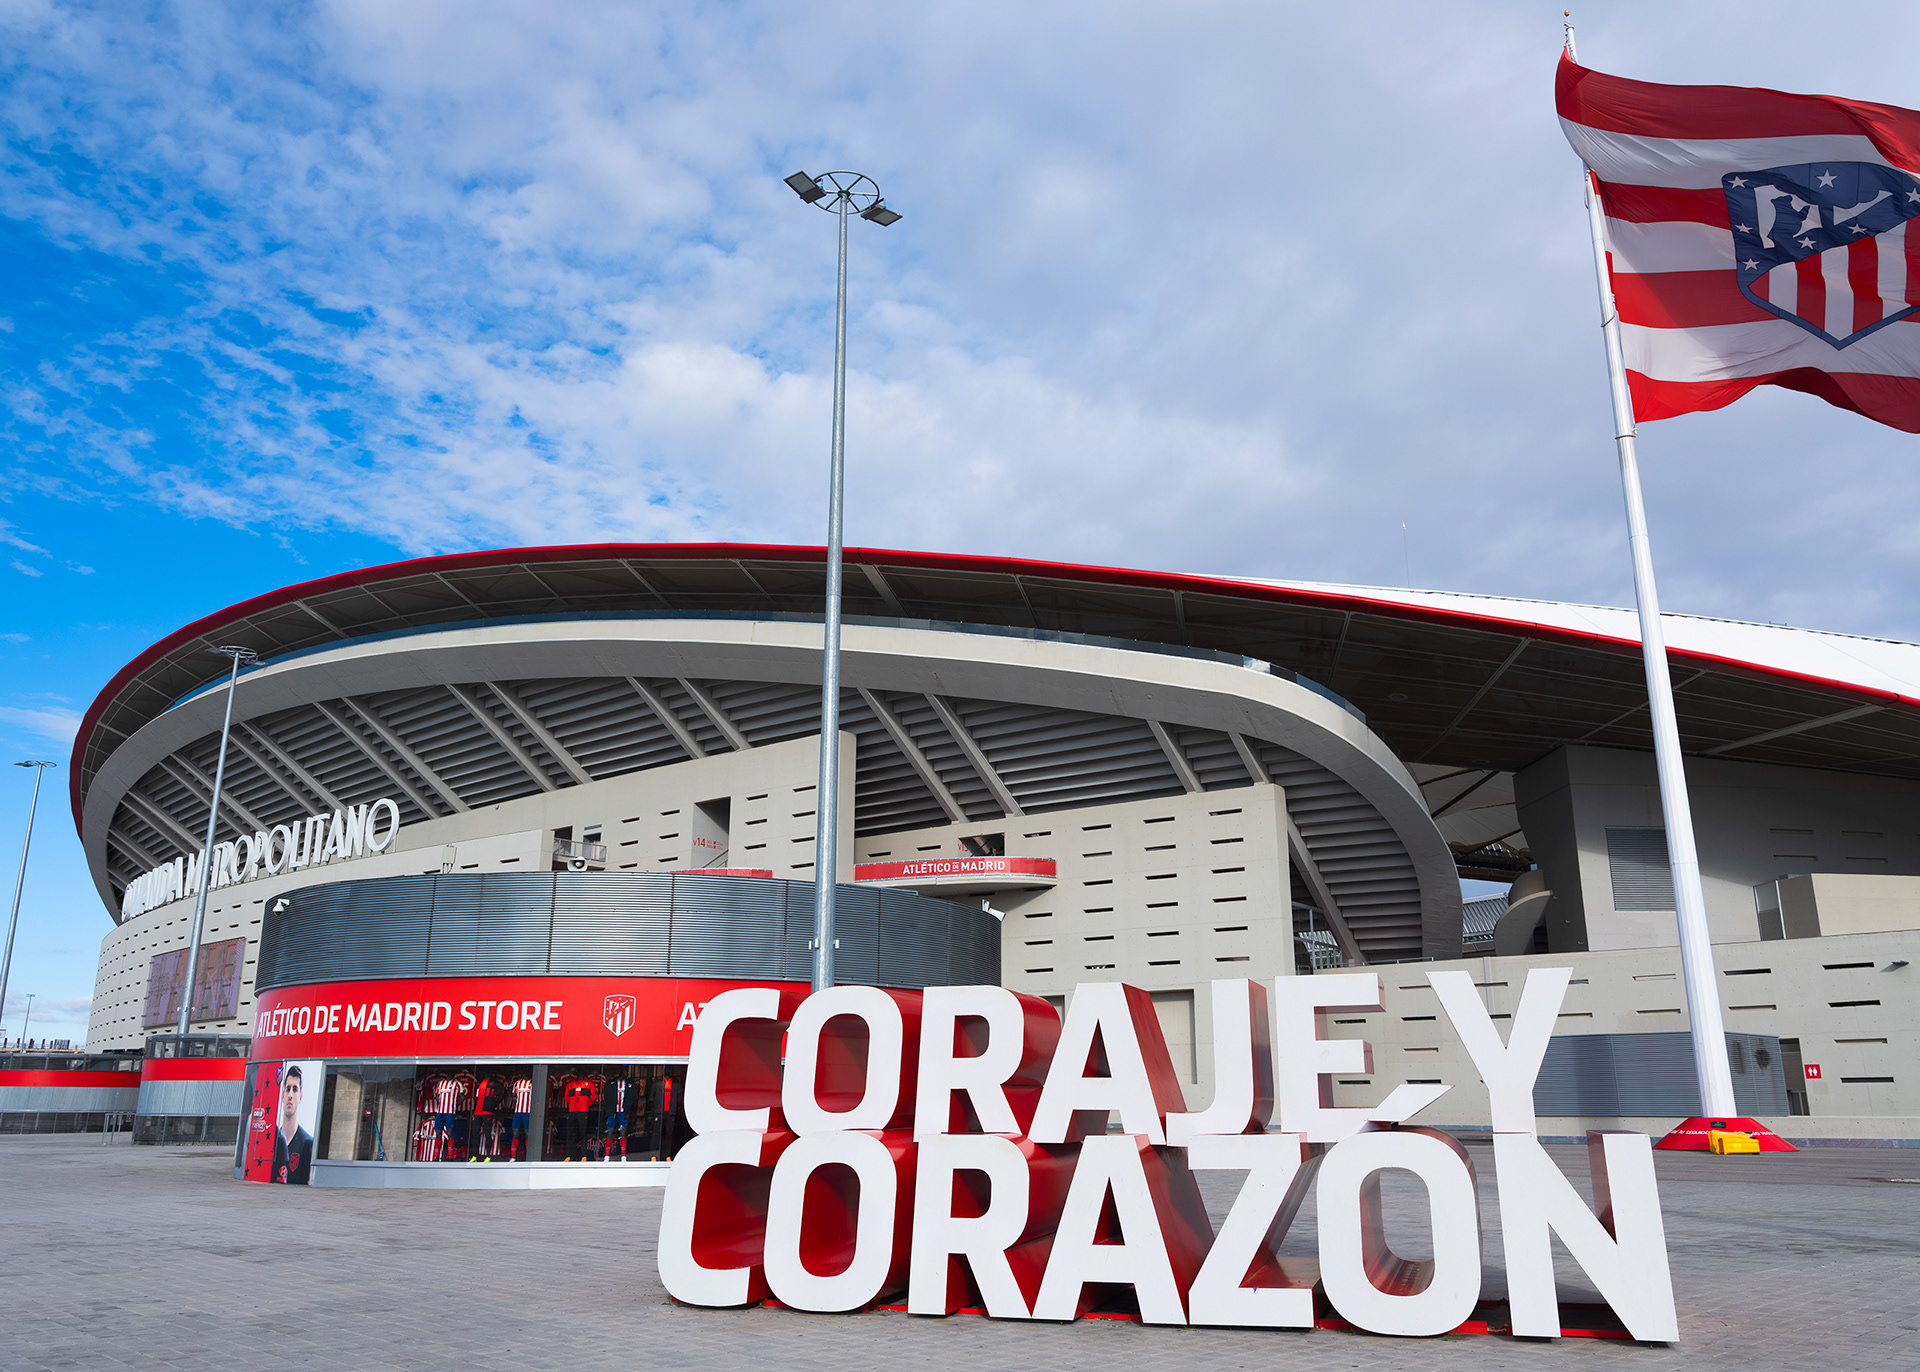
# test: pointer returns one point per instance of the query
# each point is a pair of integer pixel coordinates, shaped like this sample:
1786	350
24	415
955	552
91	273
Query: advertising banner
464	1017
283	1103
216	992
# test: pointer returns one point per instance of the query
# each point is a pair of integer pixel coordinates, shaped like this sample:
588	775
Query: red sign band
459	1017
956	867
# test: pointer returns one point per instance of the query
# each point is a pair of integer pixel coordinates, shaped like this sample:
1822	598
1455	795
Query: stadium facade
495	826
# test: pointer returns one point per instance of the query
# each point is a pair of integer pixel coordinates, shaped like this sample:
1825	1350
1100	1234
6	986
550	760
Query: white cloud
1235	287
49	1018
11	537
54	723
24	569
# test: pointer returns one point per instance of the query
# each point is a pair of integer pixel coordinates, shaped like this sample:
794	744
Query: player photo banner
282	1105
977	1123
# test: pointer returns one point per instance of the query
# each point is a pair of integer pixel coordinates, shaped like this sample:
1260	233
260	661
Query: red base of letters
1691	1137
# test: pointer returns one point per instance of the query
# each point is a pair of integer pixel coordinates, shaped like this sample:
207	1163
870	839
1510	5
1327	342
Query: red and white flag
1756	238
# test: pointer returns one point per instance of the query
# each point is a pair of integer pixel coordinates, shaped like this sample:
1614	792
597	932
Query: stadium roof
1454	680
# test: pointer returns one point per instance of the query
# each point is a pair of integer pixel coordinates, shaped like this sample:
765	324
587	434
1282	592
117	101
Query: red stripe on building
1684	300
1617	105
1664	204
129	1081
1863	275
193	1069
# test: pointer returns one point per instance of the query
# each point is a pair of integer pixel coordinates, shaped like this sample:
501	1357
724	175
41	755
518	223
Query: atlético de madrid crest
618	1014
1826	245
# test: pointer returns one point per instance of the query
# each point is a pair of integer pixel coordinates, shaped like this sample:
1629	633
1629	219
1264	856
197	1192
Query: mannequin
620	1098
442	1096
520	1092
491	1099
580	1096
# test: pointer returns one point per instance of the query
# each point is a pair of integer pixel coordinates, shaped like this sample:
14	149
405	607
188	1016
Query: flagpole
1690	906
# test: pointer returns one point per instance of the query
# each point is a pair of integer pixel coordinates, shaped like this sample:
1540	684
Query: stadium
495	825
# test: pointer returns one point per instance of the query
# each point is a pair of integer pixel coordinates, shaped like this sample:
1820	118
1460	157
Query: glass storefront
506	1112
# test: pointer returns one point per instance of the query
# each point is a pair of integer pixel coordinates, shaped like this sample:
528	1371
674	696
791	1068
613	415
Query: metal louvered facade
1641	872
1652	1075
428	748
612	924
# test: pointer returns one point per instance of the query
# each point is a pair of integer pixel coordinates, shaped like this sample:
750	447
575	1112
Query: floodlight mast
241	657
841	193
19	881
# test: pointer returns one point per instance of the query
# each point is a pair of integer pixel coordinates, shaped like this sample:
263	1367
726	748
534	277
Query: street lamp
241	657
26	1019
842	193
19	880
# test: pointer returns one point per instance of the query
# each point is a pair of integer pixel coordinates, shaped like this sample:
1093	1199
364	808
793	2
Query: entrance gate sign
956	1144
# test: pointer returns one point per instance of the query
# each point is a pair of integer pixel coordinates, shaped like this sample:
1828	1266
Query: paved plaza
154	1257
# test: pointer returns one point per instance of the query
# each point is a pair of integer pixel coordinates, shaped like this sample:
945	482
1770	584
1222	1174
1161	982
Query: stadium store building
496	825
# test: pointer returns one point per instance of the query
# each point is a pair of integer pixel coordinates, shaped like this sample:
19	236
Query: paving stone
153	1257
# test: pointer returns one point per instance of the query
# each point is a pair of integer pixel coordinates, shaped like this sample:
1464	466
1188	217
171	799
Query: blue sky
1228	287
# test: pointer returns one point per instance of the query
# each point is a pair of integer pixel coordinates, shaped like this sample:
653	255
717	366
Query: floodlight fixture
878	213
806	187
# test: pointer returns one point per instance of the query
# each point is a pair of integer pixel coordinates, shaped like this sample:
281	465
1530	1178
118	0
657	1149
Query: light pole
842	193
26	1019
241	657
19	881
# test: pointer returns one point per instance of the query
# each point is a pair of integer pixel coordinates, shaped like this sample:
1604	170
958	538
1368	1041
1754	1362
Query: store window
475	1113
509	1112
617	1112
368	1113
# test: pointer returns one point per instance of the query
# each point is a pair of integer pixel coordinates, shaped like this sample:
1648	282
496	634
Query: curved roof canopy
1458	681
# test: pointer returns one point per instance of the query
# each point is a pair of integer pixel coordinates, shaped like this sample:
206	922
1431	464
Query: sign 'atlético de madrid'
959	1145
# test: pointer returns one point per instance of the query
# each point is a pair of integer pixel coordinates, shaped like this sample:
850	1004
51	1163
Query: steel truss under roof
922	761
1469	691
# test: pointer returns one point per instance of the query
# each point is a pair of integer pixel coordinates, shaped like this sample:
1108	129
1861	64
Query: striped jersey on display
1755	238
522	1095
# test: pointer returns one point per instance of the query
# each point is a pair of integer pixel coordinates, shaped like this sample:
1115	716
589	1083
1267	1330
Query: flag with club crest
1756	238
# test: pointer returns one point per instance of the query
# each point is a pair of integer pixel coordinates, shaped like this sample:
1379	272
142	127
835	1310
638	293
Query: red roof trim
206	626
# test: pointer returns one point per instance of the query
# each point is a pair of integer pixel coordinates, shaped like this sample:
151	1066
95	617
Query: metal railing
1317	941
568	850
